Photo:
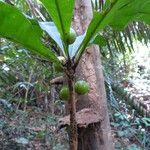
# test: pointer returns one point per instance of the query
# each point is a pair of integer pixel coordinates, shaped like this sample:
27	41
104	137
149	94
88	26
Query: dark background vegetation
30	106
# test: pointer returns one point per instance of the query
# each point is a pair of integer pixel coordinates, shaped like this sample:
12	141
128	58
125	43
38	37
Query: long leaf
118	15
52	31
61	13
74	47
16	27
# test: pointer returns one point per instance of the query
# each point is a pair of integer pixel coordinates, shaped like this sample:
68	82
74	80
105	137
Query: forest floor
30	130
139	91
131	119
34	129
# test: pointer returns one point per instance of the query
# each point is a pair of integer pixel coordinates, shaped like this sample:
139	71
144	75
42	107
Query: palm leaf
61	13
118	15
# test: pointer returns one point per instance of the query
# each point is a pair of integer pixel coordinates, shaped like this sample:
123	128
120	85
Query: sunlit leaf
22	140
52	31
74	47
118	15
61	13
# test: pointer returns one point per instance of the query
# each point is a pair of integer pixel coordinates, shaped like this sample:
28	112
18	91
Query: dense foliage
24	77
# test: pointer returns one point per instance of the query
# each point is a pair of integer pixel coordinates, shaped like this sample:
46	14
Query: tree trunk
96	136
73	140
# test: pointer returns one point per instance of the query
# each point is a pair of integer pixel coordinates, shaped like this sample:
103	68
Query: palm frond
121	42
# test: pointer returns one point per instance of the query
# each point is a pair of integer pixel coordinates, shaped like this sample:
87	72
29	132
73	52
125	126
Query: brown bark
90	69
90	138
73	137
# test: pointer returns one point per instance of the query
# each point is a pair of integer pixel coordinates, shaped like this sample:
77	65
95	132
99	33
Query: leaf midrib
80	52
63	30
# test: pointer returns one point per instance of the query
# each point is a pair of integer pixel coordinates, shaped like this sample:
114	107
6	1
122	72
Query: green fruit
64	93
72	36
81	87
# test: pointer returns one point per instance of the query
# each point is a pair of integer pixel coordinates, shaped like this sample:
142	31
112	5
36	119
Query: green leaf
120	133
99	40
74	47
146	121
52	31
16	27
133	147
118	15
61	13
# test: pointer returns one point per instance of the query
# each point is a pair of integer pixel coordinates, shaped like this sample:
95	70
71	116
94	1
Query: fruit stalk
73	136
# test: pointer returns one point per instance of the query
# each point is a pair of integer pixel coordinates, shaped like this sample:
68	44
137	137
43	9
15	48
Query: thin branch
35	9
57	80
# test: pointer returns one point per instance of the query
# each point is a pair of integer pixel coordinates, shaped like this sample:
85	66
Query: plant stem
27	90
73	136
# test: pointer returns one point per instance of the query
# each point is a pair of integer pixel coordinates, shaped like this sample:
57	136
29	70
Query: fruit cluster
81	88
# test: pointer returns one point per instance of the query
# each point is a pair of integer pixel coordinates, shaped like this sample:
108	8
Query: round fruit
64	93
81	87
72	36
